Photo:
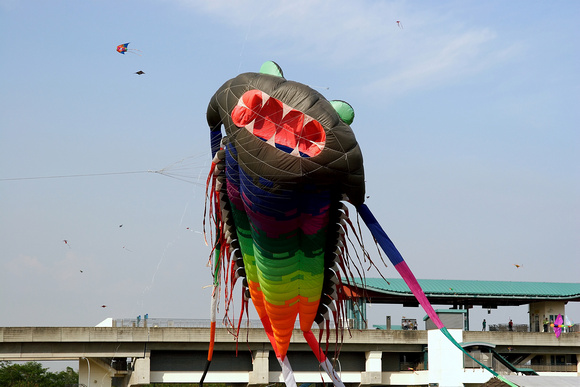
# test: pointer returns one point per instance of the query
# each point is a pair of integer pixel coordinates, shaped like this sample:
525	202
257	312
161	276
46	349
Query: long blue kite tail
399	263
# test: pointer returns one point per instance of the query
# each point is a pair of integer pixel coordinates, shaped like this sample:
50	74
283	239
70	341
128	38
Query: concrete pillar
373	368
260	373
94	373
141	372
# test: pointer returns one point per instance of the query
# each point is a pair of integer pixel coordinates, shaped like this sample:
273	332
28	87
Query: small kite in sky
122	49
66	243
517	266
120	225
140	72
399	24
103	306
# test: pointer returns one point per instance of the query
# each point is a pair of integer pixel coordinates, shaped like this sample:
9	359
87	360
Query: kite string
174	170
163	255
77	175
243	48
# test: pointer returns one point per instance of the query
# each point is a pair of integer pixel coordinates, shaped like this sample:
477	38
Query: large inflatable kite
279	177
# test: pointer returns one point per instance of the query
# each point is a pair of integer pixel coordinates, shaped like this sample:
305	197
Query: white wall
445	359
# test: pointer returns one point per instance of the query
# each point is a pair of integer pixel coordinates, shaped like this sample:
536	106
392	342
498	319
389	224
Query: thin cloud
447	58
68	268
23	265
354	35
331	31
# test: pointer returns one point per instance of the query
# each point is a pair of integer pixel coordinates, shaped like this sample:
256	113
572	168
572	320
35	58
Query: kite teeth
295	152
285	110
242	103
272	140
320	145
250	127
265	98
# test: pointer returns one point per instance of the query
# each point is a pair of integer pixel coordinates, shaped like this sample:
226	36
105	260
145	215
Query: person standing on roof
483	325
511	325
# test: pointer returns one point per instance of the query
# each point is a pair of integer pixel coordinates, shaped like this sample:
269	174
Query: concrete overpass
128	356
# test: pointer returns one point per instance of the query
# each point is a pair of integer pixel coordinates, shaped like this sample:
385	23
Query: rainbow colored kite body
122	48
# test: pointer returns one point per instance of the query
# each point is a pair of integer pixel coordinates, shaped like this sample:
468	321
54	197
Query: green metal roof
473	290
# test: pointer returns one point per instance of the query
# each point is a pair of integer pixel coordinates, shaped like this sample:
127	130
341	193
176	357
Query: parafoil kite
279	177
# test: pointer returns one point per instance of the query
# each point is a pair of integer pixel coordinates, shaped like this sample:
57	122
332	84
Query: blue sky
467	117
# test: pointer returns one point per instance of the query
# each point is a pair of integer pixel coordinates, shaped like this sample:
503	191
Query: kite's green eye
271	68
344	110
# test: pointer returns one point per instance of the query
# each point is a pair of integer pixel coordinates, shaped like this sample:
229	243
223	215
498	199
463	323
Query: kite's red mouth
279	125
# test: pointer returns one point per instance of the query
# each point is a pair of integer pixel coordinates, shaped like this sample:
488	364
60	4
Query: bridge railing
505	327
190	323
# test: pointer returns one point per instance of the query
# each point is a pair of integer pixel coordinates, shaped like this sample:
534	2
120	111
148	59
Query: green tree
69	376
32	374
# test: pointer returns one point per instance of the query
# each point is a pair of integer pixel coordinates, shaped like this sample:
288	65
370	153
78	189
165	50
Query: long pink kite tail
397	260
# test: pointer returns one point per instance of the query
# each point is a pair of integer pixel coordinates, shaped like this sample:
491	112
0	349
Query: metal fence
505	327
525	328
554	367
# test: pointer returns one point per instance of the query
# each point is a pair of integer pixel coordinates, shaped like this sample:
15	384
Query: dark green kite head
287	132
